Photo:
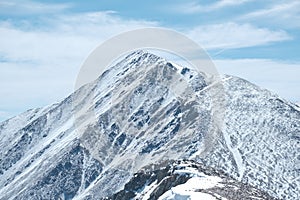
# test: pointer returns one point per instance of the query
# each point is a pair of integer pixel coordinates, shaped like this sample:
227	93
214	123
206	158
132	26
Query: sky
44	43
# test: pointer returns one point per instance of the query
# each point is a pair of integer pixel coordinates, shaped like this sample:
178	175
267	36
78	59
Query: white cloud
196	7
39	65
286	14
19	7
66	37
277	76
233	35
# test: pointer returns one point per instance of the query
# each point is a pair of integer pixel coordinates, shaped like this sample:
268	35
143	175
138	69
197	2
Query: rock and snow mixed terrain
90	145
185	180
298	104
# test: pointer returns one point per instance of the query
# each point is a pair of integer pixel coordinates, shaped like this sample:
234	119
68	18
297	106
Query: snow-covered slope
92	143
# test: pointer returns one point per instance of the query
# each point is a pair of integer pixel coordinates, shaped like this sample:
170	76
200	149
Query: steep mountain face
142	111
262	136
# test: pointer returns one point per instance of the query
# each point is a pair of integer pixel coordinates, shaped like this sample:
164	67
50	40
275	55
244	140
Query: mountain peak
145	110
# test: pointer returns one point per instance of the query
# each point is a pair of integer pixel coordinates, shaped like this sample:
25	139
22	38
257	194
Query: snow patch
192	188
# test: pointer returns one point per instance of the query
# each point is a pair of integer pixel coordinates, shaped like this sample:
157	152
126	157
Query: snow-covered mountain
94	142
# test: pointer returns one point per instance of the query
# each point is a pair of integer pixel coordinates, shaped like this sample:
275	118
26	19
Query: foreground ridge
186	180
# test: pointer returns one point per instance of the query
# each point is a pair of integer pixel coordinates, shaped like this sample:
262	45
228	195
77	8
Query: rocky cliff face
146	110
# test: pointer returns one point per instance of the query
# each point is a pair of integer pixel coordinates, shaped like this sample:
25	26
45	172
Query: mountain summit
92	144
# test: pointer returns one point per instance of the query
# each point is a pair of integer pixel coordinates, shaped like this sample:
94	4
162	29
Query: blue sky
44	43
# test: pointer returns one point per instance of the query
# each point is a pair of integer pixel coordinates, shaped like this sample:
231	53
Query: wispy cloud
285	14
39	64
40	57
21	7
196	7
233	35
64	38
